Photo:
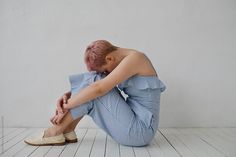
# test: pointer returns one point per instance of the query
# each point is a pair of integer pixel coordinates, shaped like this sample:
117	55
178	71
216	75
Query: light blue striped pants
110	112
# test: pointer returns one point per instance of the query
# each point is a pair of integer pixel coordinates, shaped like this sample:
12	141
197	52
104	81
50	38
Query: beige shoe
45	141
71	137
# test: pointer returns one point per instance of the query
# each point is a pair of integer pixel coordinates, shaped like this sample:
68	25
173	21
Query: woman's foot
43	140
70	137
69	134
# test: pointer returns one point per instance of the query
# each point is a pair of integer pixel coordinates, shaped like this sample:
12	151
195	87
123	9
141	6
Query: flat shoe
45	141
70	137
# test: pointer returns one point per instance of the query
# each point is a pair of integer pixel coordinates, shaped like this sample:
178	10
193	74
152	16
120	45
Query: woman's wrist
66	106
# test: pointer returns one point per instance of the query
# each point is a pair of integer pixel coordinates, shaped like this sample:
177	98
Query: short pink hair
96	52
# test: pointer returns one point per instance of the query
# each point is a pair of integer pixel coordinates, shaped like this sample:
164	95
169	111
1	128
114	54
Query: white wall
192	44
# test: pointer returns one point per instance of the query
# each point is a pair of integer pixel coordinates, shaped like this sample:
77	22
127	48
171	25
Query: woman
130	121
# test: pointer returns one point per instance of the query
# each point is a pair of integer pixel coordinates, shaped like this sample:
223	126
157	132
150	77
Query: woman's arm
128	67
86	94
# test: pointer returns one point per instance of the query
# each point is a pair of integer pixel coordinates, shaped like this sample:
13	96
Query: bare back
147	67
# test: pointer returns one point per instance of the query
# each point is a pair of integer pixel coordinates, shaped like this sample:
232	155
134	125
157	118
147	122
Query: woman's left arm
128	67
86	94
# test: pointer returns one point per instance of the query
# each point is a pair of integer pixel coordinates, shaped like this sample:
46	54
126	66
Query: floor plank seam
133	151
185	144
33	151
80	143
93	143
15	136
213	146
105	146
62	150
47	151
170	143
4	134
17	142
119	149
148	152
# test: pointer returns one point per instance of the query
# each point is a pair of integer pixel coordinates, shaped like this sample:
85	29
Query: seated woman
131	121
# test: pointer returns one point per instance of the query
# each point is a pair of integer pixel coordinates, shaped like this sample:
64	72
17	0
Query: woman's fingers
59	108
56	112
58	120
60	117
60	103
53	119
64	97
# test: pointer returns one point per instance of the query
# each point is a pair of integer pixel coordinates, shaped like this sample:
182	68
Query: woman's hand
60	110
62	100
56	119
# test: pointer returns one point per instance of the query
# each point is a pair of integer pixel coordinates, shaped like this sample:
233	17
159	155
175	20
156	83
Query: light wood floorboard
94	142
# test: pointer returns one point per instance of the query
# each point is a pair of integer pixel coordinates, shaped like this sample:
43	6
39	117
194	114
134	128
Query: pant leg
78	82
110	111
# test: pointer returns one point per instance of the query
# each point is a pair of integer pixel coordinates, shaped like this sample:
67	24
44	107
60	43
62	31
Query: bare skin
132	63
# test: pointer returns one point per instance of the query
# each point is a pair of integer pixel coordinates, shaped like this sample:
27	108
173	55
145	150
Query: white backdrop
191	43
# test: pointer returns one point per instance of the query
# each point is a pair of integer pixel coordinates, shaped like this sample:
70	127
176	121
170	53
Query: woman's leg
72	125
60	128
73	117
110	111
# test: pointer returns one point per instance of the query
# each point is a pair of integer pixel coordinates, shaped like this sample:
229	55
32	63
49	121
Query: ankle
67	130
52	132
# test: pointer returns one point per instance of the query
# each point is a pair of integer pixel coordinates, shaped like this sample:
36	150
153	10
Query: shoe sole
46	144
72	141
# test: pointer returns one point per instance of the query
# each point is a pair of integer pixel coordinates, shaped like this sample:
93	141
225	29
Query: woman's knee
82	80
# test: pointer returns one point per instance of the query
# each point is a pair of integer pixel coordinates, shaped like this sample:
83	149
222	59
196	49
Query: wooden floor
168	142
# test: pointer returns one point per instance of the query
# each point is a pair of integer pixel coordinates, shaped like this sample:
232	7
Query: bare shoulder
145	66
136	52
137	55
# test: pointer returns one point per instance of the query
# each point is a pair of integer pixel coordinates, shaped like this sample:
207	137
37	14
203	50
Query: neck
120	54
